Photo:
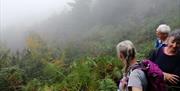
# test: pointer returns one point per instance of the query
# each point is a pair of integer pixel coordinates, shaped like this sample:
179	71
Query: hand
173	79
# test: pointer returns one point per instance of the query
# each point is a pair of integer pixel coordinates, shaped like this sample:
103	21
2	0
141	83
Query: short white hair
163	28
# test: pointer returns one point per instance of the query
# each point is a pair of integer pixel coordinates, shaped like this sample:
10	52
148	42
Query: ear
121	56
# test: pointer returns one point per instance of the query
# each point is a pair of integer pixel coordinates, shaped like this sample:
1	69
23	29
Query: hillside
75	50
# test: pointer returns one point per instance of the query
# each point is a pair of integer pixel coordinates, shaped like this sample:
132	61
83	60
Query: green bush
11	79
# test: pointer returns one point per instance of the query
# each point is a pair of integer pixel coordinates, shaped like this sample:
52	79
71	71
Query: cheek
170	44
165	36
157	34
161	36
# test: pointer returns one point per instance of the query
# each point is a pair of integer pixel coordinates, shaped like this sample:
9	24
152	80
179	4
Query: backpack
153	74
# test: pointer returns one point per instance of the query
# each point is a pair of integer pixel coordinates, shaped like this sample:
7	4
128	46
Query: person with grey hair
137	80
168	59
162	33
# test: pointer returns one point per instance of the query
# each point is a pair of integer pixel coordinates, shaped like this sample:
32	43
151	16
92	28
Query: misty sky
20	11
19	17
17	14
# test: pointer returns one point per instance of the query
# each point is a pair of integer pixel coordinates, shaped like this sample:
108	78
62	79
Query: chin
174	50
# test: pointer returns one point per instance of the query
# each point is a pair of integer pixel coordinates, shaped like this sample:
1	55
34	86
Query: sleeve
136	79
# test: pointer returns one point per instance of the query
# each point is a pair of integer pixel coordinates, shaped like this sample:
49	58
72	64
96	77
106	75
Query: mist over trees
75	50
94	22
86	16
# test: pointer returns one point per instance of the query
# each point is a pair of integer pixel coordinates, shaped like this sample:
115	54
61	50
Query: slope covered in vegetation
84	60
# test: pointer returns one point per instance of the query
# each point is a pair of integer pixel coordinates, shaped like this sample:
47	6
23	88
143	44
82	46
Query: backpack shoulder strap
136	66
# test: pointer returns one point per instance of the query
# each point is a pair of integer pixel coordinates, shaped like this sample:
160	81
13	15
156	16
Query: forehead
161	32
173	39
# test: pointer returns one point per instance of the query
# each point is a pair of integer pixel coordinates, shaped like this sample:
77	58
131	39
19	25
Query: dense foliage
88	63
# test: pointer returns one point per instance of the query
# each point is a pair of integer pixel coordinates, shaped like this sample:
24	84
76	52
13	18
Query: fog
68	20
16	16
19	11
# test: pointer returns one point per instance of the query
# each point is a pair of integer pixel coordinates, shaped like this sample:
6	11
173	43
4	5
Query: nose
174	45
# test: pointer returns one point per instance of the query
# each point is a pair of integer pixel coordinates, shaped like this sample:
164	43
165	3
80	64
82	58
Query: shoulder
137	78
156	53
137	72
138	75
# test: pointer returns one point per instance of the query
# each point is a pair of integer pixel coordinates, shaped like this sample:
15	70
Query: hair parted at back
163	28
127	48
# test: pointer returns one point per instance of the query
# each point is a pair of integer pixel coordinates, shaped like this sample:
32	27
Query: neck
163	40
169	51
132	62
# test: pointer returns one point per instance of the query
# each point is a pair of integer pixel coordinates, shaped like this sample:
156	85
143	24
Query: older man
162	33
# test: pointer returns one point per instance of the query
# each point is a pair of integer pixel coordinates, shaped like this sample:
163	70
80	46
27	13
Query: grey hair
175	34
128	50
163	28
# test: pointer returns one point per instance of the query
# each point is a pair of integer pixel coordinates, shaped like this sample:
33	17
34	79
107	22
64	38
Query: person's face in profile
121	57
173	45
161	36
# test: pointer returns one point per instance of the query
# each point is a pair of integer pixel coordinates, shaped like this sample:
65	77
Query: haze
17	15
62	22
17	11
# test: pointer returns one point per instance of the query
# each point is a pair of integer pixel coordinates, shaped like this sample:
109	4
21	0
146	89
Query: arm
136	89
137	80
